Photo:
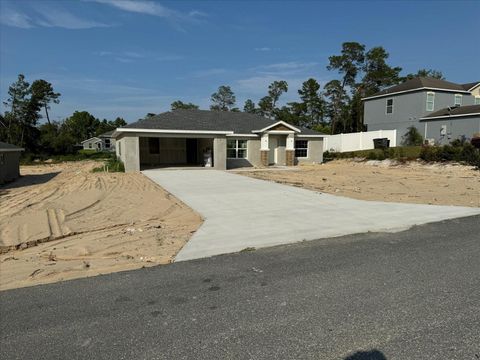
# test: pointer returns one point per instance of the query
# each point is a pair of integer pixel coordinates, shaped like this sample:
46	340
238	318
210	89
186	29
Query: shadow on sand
367	355
27	180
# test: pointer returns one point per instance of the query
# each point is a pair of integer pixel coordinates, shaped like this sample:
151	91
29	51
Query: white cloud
263	49
14	18
286	68
155	9
51	17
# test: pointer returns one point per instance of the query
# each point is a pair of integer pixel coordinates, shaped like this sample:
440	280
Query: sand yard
413	182
61	221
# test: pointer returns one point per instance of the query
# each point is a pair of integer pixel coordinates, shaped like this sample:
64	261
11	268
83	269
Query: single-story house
452	123
220	139
103	142
9	162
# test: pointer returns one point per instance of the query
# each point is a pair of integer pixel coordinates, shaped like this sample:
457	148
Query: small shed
9	162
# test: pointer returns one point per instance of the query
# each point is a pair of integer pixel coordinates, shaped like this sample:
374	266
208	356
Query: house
9	162
406	104
221	139
103	142
451	123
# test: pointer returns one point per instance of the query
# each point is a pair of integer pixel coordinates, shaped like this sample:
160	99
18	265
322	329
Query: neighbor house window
153	146
89	145
477	100
430	101
301	148
458	99
389	109
236	149
107	143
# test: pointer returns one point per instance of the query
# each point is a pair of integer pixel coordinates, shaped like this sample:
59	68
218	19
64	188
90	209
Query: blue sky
127	58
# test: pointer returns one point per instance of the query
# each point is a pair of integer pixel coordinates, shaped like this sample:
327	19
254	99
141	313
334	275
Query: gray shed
9	162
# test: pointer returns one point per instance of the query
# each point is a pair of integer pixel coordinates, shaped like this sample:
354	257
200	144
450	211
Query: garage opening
160	152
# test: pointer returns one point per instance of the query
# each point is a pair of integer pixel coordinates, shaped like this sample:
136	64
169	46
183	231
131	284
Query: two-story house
439	109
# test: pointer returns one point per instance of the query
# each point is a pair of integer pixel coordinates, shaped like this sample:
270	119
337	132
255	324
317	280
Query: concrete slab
242	212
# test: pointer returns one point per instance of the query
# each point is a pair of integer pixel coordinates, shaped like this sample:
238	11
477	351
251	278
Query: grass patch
401	153
80	155
111	165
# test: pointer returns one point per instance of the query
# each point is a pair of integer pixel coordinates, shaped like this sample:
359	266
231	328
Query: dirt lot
62	221
414	182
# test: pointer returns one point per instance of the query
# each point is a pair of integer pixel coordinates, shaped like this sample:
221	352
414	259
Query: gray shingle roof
10	147
470	85
205	120
419	83
107	134
467	110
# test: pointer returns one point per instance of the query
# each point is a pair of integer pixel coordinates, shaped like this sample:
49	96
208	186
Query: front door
272	145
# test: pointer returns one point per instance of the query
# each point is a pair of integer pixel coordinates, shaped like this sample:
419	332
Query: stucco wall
408	108
9	166
132	153
314	152
253	154
220	153
455	128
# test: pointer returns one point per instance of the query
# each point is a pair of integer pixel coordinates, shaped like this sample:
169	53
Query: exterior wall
476	91
9	166
408	108
220	153
456	128
132	153
96	144
314	151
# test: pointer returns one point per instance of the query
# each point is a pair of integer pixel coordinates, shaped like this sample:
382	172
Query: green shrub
111	165
412	137
460	151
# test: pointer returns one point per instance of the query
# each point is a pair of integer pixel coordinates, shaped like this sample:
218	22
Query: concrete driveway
242	212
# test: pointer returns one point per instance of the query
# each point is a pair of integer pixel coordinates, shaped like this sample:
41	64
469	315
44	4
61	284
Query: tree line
20	124
336	108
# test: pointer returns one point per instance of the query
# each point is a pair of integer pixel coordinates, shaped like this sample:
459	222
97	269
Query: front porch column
290	150
264	150
220	153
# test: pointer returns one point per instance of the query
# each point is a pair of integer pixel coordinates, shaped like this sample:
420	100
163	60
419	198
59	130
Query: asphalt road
409	295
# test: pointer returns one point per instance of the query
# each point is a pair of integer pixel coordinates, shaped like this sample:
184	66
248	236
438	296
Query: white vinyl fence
357	141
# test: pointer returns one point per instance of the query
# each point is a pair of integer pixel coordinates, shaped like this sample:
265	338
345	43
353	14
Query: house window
430	101
458	99
107	143
389	109
236	149
153	146
301	148
477	100
89	145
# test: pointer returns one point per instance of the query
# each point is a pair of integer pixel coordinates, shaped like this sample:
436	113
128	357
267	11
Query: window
2	159
458	99
107	143
153	146
430	101
89	145
389	109
301	148
236	149
477	100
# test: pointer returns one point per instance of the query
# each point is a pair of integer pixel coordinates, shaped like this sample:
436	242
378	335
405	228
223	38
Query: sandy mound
62	221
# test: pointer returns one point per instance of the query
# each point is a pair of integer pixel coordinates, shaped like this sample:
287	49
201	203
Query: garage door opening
160	152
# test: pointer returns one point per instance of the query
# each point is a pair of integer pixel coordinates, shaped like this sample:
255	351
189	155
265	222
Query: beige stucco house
220	139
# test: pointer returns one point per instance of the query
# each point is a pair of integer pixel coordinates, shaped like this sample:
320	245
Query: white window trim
295	148
386	106
237	148
433	101
455	99
477	100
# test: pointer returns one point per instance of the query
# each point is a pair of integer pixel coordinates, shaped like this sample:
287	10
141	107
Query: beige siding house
103	142
218	139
